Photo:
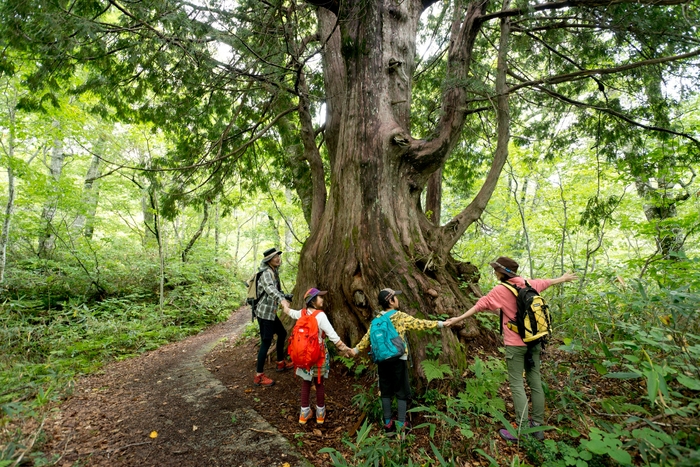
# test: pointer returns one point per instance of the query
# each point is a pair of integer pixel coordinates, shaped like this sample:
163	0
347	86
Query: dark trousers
393	379
268	328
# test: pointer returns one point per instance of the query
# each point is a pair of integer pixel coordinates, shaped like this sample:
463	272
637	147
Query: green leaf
690	383
631	358
435	370
597	446
623	375
621	456
606	351
652	385
493	462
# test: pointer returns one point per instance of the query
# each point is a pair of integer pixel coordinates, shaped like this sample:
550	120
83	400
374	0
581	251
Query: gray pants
515	360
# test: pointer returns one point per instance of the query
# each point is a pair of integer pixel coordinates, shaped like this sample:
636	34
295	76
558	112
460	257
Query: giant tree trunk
373	232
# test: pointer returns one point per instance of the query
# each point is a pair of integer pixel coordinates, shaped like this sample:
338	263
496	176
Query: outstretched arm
452	321
566	277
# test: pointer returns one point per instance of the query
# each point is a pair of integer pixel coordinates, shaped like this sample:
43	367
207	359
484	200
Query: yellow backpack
532	320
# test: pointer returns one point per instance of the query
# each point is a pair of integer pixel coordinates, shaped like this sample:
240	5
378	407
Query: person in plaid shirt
393	374
271	296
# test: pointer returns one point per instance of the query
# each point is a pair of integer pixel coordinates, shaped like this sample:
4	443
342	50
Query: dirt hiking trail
164	408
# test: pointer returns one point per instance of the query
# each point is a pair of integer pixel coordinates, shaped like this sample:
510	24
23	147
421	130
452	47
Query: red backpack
304	347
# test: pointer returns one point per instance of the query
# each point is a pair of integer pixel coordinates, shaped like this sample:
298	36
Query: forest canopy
152	150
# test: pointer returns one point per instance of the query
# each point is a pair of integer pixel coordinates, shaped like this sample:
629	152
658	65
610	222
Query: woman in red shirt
516	350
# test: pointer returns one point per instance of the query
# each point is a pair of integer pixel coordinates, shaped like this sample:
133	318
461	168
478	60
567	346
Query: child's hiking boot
320	415
284	366
538	435
262	380
305	415
390	428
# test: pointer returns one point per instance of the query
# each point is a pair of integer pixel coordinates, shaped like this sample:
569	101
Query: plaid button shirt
269	284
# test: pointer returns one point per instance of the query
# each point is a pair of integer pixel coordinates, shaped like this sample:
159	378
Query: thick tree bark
373	232
433	197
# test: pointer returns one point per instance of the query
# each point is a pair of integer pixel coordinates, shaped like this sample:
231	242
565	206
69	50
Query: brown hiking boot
262	380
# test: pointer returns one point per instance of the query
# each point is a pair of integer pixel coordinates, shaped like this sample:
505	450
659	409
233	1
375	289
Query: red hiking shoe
262	380
284	366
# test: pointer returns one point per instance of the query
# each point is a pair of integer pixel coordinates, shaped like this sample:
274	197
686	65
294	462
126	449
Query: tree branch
198	233
427	156
453	230
617	114
576	4
330	5
577	75
311	154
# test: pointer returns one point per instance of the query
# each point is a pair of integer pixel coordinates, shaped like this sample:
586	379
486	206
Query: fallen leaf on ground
154	434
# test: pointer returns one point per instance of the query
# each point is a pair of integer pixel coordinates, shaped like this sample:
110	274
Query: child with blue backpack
393	372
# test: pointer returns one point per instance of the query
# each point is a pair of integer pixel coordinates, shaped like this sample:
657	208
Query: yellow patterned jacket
402	322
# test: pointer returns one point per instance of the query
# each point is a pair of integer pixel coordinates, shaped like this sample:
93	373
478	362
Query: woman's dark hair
384	303
312	303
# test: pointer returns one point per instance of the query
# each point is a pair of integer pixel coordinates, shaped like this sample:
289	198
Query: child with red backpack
308	350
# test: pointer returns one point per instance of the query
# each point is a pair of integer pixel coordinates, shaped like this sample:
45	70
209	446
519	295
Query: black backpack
532	320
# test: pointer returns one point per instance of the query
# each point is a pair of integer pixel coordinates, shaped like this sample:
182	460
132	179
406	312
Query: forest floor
193	403
164	408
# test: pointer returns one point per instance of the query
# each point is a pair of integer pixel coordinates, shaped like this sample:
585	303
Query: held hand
451	322
285	306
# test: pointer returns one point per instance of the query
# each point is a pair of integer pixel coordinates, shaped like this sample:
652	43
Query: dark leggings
268	328
306	391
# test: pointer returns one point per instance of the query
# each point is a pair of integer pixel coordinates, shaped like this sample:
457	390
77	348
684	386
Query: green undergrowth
621	380
42	349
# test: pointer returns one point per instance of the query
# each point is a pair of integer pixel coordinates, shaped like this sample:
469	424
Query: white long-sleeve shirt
323	324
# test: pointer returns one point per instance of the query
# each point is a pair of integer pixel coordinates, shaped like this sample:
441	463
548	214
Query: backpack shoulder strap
511	287
257	279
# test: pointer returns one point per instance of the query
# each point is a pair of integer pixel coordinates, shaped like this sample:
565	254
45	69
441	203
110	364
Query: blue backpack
384	339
